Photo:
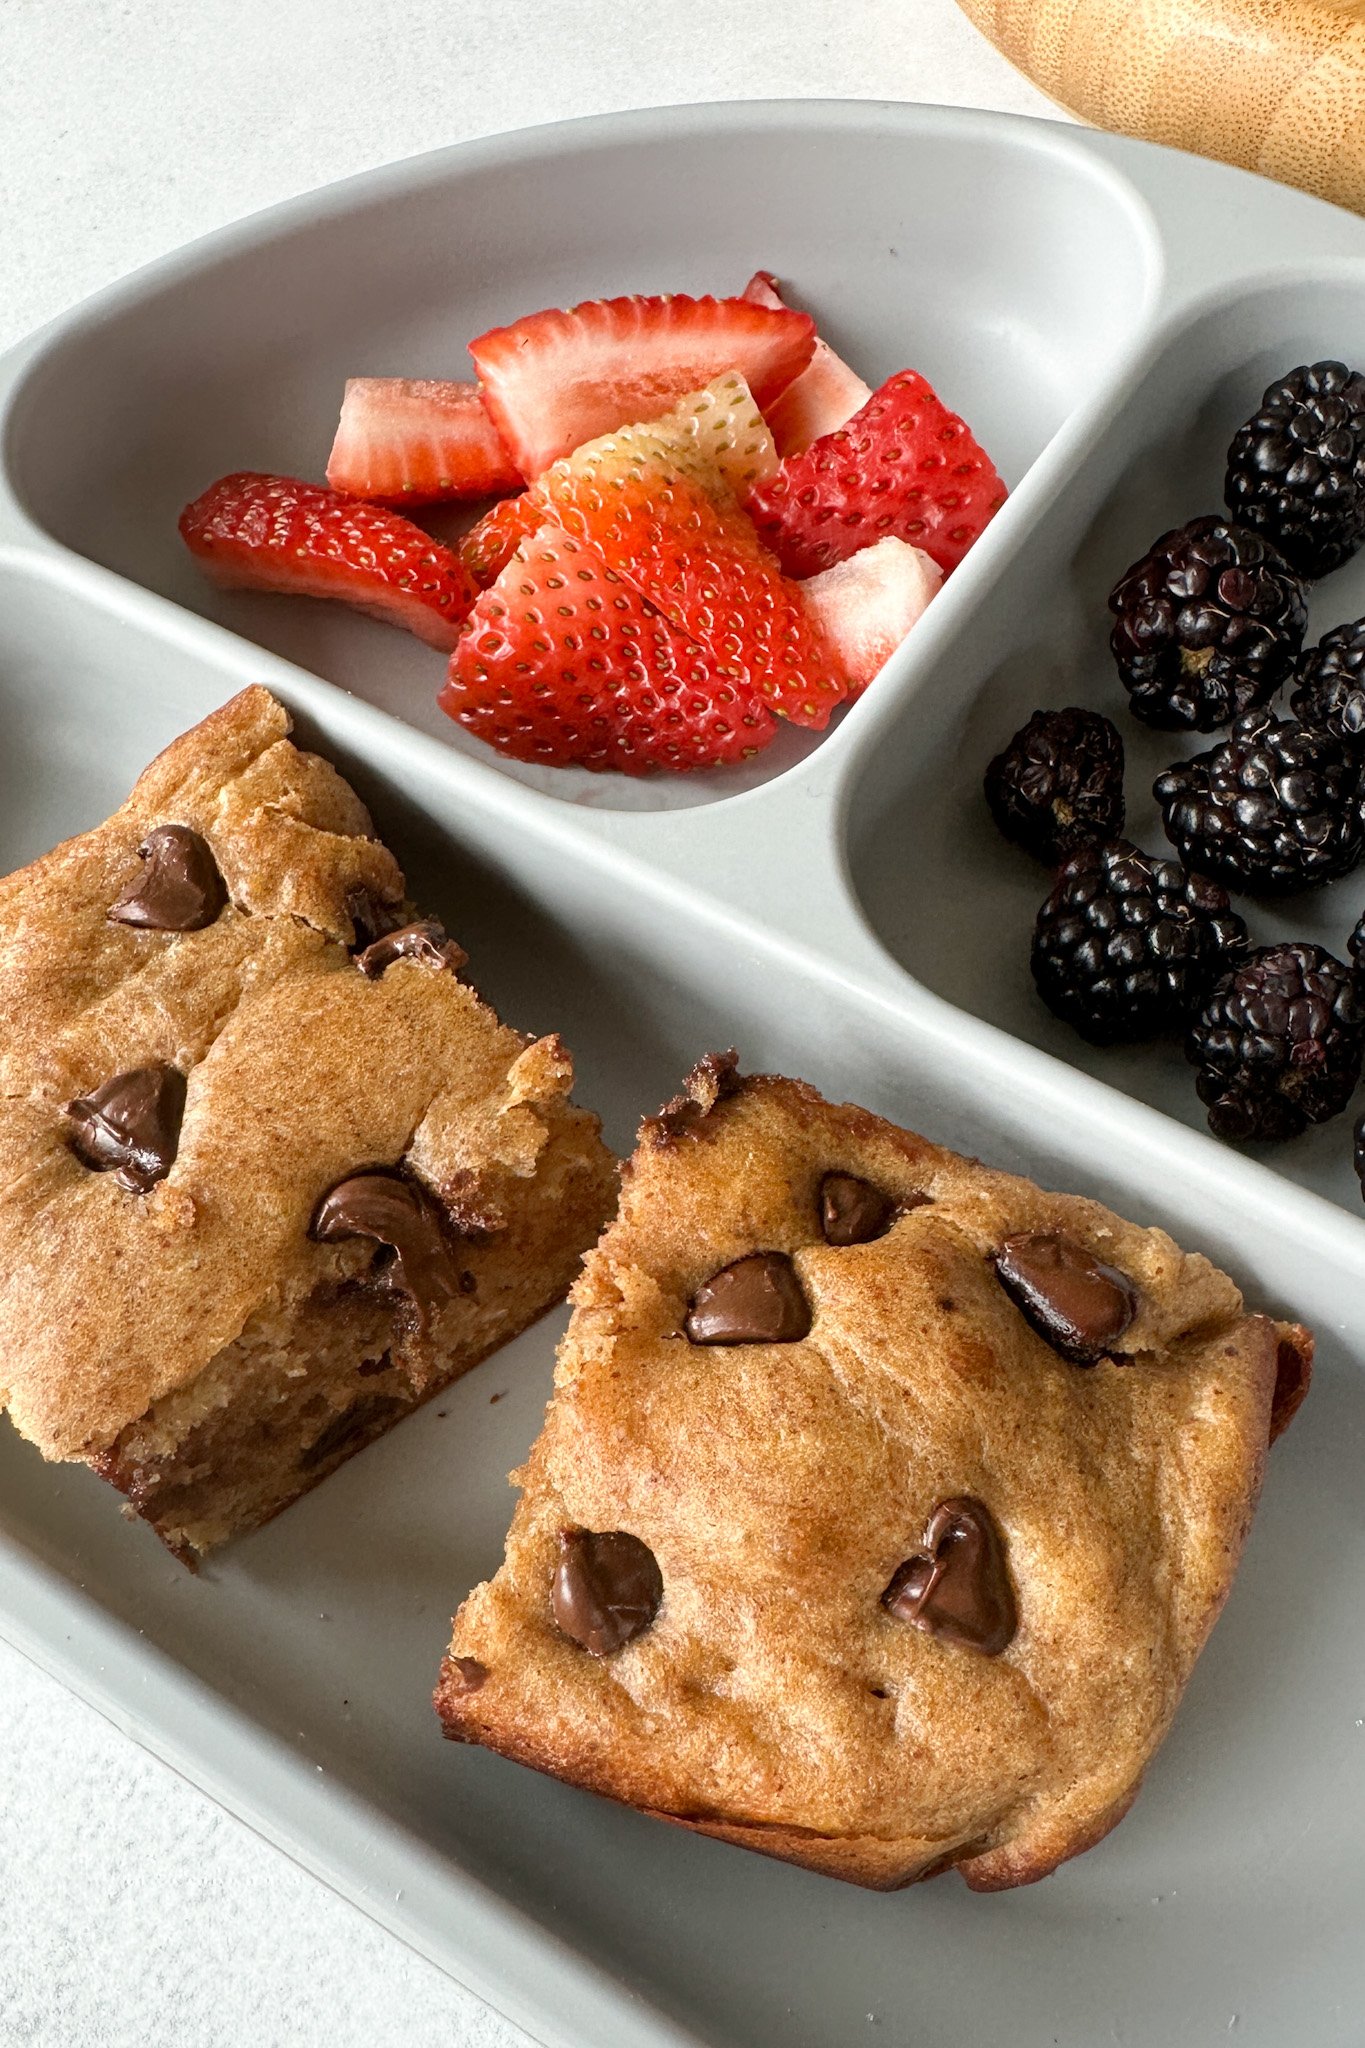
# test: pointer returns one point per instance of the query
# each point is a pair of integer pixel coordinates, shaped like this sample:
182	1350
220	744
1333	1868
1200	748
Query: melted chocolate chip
130	1126
179	889
400	1214
345	1431
465	1674
1078	1305
606	1589
370	917
1293	1371
714	1079
852	1211
957	1586
757	1300
425	941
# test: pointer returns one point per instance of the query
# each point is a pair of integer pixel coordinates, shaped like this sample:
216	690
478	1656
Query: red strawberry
417	442
695	556
556	379
253	532
904	465
488	547
867	604
565	664
824	397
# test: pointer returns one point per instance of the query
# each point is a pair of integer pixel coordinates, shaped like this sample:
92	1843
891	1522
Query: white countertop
134	1914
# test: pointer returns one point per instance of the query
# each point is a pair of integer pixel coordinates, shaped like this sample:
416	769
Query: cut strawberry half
557	379
413	441
867	604
564	664
904	466
254	532
694	555
489	546
823	398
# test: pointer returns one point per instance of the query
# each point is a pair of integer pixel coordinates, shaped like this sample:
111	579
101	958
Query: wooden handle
1277	86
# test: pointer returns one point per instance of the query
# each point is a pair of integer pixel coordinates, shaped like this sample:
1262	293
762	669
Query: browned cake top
941	1495
190	1058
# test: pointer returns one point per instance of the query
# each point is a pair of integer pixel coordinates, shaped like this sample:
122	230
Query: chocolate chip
179	889
957	1586
400	1214
130	1125
852	1211
757	1300
606	1589
370	1368
1079	1306
425	941
714	1079
465	1674
371	918
1293	1371
346	1430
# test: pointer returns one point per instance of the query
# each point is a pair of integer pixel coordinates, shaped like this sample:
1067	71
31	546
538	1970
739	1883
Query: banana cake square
883	1505
271	1173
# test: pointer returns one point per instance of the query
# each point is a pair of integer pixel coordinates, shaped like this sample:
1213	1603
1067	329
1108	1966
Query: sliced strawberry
904	465
867	604
823	398
557	379
253	532
413	441
488	547
565	664
695	556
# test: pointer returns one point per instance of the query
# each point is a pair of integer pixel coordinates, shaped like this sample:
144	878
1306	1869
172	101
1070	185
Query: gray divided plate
1103	313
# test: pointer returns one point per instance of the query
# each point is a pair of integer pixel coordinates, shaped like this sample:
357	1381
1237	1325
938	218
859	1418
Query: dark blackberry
1278	1043
1330	691
1355	946
1058	786
1296	470
1274	806
1127	945
1207	624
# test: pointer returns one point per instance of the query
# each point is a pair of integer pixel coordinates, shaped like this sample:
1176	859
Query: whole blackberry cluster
1296	470
1126	946
1058	785
1330	691
1274	806
1278	1043
1207	624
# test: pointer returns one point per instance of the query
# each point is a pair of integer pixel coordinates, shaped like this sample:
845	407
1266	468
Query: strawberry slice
565	664
824	397
489	546
693	554
557	379
904	465
254	532
867	604
414	441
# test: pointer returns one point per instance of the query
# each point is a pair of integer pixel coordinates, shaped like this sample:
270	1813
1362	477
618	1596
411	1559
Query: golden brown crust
775	1701
300	1071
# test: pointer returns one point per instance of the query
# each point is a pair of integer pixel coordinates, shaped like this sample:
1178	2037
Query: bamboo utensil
1277	86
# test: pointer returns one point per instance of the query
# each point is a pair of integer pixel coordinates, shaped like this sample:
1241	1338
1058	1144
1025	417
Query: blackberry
1274	806
1207	624
1127	945
1331	687
1058	786
1278	1043
1296	470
